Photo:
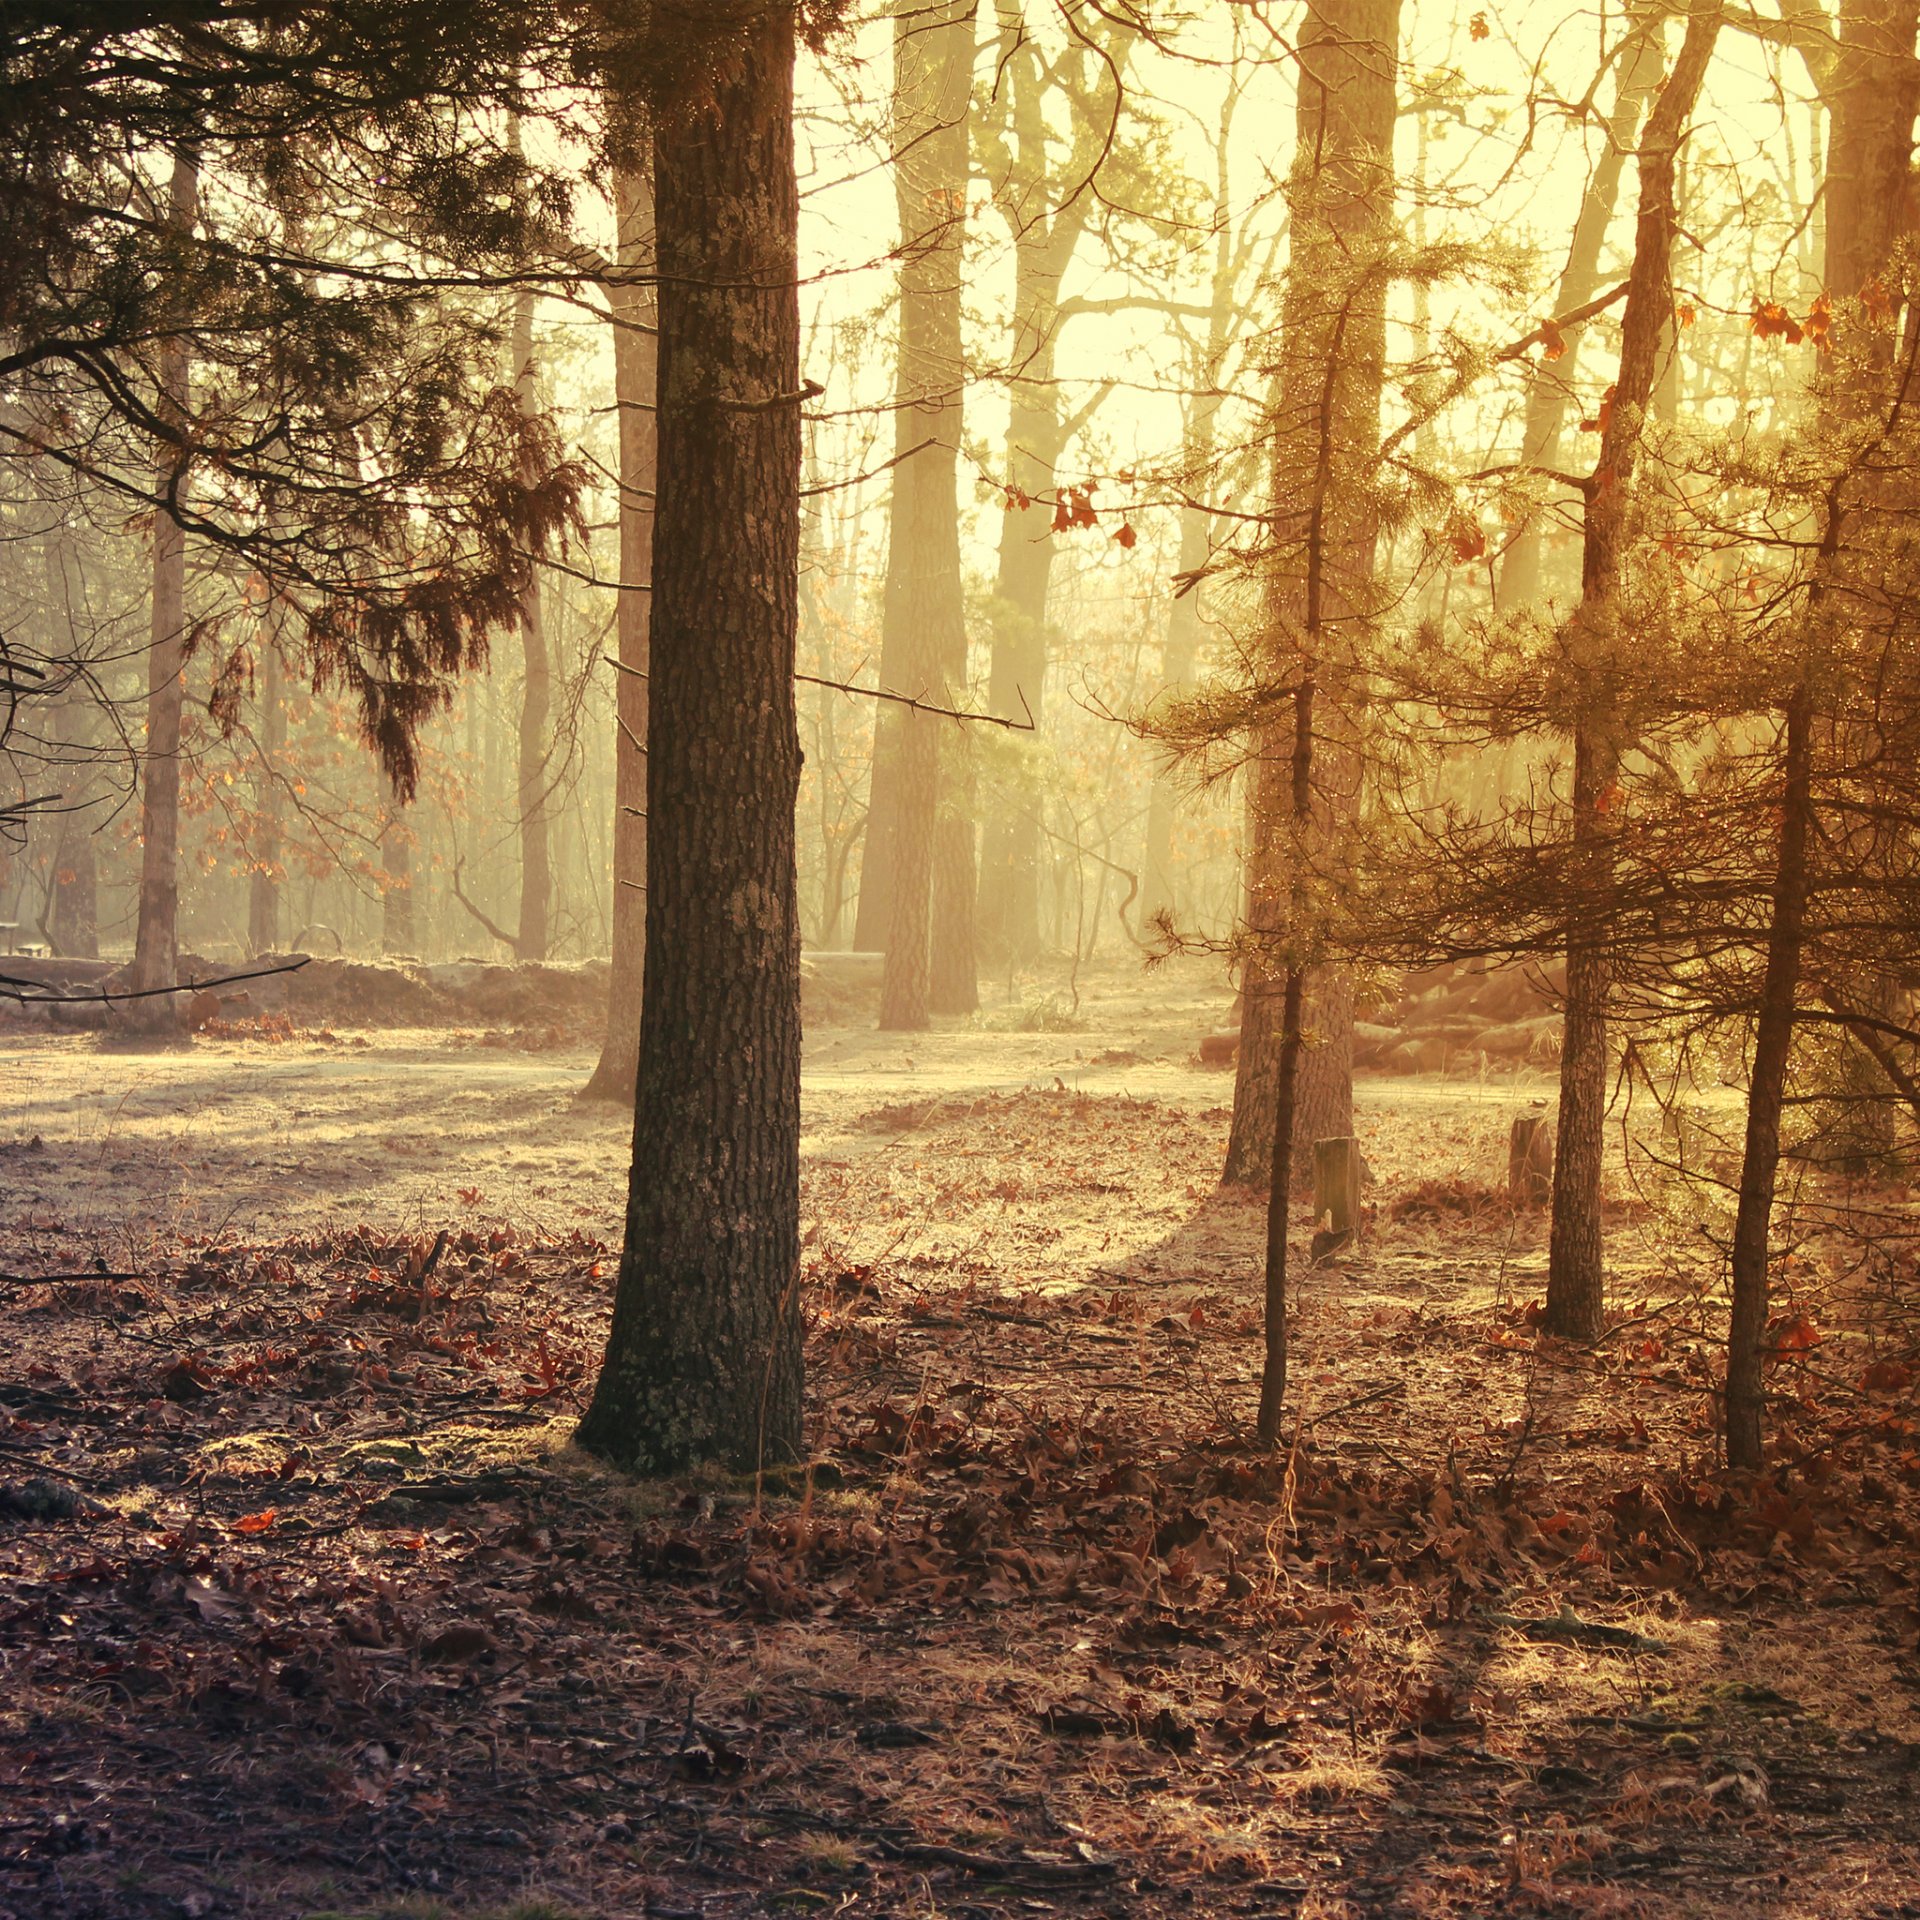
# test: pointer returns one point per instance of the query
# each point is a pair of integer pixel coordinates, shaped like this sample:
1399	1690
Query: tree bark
536	697
1325	442
704	1356
1599	665
156	954
925	612
635	307
1773	1039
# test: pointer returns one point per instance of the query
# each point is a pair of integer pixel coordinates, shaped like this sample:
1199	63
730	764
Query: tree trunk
156	953
1180	651
74	914
925	609
1772	1040
399	925
1047	201
1551	386
704	1357
953	983
1872	89
1601	666
1325	442
536	697
263	886
634	307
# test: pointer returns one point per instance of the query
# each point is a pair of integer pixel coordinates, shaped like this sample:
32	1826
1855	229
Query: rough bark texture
536	698
635	308
704	1357
1551	388
1873	93
156	952
925	613
1599	663
1325	439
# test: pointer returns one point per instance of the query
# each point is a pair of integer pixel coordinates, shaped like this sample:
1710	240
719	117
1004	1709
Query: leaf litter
307	1606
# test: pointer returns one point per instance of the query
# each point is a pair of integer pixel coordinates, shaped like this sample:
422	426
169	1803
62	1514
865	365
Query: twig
1028	725
13	988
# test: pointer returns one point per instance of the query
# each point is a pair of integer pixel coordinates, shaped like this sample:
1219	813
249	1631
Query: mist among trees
959	957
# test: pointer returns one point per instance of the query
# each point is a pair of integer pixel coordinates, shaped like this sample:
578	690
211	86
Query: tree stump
1530	1161
1337	1167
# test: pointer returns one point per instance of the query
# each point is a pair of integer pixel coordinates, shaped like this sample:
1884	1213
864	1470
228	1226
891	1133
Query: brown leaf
463	1641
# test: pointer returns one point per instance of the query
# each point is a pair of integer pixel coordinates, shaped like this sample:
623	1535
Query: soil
307	1606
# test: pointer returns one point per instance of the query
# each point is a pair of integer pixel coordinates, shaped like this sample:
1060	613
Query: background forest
682	685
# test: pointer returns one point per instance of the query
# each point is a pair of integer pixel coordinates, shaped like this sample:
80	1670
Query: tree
1599	669
704	1355
925	628
1875	90
633	306
536	691
157	938
1325	443
1550	387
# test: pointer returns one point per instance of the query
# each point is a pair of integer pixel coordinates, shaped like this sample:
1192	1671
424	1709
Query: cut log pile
1459	1018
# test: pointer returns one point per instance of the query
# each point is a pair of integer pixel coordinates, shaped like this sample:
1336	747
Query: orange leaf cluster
1074	508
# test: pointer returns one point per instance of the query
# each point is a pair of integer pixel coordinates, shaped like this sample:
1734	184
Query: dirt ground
308	1608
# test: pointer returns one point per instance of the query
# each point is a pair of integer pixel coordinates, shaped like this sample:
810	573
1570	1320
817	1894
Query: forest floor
307	1607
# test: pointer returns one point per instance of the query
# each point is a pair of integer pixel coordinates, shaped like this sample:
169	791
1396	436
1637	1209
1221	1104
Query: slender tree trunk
1551	386
1773	1038
1273	1373
1873	88
536	698
634	308
1601	665
263	886
704	1357
925	609
156	954
1325	443
74	915
399	924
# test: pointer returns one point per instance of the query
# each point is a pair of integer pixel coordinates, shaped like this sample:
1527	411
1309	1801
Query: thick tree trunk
1600	663
925	609
953	982
1772	1040
536	698
1873	92
1325	442
263	884
156	954
634	308
704	1357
